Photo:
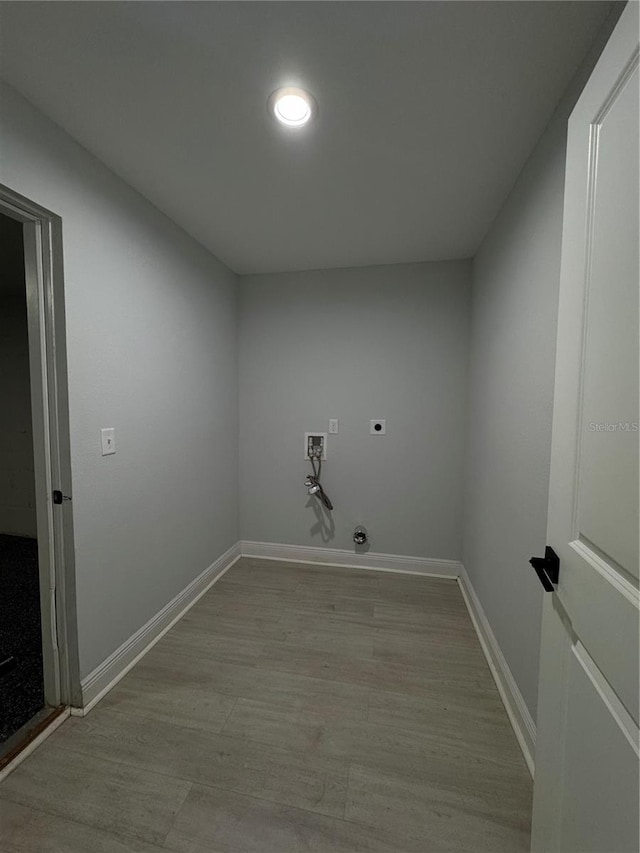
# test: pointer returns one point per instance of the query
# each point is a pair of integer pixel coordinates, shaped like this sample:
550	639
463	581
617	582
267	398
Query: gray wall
516	276
354	344
151	340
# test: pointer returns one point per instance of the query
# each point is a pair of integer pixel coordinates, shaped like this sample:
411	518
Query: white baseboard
98	683
347	559
515	706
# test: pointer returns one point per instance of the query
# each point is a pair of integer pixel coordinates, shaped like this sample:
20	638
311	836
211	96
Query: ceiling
427	113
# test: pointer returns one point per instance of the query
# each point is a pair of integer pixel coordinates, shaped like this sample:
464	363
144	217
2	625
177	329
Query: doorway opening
21	674
38	648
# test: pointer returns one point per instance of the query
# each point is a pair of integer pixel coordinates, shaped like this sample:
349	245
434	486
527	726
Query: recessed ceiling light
291	106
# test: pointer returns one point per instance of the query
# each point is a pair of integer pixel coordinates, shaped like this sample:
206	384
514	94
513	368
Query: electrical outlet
333	426
108	437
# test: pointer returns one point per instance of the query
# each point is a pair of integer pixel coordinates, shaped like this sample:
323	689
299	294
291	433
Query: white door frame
52	459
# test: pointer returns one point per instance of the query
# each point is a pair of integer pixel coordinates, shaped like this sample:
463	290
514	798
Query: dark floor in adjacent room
21	685
294	708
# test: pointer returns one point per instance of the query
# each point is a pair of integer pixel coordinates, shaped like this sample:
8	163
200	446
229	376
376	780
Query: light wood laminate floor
294	708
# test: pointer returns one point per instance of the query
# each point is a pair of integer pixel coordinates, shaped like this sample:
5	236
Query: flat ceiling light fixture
291	106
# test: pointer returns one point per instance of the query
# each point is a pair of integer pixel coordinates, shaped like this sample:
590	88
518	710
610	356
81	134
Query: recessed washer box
378	426
317	439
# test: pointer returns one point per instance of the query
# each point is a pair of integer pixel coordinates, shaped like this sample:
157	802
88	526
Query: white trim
350	560
44	288
99	682
512	699
30	747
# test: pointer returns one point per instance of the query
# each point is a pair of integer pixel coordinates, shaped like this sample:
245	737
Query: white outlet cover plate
333	426
108	441
381	425
324	446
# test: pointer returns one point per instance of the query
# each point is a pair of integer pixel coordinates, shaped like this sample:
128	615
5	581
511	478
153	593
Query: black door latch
58	497
547	568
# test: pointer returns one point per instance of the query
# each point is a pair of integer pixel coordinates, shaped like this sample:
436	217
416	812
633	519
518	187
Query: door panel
598	528
586	775
591	814
593	507
607	501
604	608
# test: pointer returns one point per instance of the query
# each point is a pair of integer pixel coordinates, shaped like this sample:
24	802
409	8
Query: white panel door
586	794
